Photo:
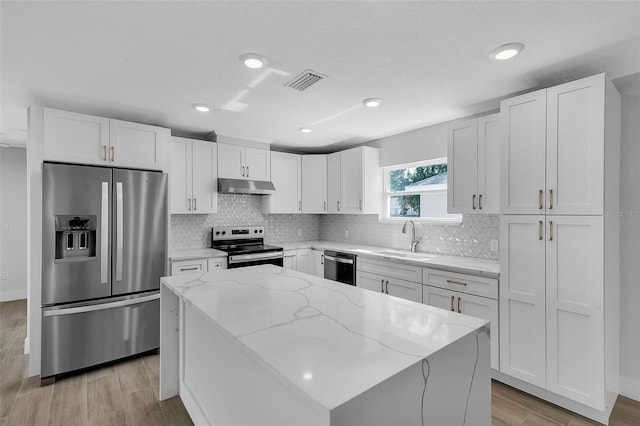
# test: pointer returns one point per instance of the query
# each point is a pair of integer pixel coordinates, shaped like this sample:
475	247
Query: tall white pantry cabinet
559	266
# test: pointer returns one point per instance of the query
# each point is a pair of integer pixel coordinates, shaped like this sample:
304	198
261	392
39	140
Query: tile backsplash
194	231
470	238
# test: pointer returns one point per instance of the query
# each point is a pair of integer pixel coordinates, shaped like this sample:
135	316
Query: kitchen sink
404	255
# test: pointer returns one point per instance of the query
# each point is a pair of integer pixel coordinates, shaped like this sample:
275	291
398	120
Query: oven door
268	258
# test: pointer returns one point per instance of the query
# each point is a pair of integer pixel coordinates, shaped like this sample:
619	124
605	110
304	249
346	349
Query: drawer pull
459	311
193	268
452	297
456	282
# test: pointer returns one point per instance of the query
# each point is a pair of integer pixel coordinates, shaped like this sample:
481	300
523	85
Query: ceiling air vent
304	80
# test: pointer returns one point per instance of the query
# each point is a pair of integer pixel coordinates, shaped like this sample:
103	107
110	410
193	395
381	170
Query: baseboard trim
27	347
8	295
630	387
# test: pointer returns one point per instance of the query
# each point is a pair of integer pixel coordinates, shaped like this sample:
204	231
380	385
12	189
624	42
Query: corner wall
13	220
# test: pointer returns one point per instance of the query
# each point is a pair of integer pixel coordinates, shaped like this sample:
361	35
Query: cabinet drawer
216	263
391	269
188	266
481	286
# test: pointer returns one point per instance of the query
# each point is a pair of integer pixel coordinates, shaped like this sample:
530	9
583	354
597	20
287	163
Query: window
418	191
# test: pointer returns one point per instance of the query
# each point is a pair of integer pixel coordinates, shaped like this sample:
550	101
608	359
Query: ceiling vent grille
305	80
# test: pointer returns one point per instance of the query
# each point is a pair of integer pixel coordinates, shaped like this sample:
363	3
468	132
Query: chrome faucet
414	241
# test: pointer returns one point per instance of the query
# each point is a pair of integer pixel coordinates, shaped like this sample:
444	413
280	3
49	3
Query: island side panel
229	387
169	338
450	387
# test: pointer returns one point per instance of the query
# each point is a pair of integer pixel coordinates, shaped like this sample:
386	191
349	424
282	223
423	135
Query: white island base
267	346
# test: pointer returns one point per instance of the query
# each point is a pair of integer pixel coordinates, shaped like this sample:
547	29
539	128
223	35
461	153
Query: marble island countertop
329	341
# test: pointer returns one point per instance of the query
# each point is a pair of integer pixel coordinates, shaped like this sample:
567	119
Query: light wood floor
127	393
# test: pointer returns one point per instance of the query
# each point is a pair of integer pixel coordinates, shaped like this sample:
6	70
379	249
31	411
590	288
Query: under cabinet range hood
240	186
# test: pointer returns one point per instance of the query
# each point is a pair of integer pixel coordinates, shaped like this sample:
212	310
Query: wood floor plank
71	416
115	418
8	393
69	392
31	383
96	373
507	411
142	409
582	421
132	376
31	408
175	413
553	413
103	396
535	419
13	368
6	340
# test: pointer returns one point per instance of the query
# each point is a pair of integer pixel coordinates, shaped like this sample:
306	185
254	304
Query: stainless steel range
245	246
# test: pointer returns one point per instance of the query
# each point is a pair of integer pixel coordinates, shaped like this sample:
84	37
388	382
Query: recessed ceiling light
201	107
253	60
305	130
506	51
372	102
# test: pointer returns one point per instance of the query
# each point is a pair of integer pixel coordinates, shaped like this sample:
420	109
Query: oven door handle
338	259
254	256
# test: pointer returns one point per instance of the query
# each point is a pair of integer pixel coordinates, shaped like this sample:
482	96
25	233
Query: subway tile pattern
194	231
470	238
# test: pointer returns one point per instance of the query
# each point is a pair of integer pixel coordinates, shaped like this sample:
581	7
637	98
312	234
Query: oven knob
217	232
261	231
224	232
255	231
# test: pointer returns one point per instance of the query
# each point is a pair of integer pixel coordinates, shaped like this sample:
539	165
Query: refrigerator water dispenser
75	237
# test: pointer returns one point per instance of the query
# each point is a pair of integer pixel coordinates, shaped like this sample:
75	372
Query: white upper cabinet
286	177
87	139
473	156
193	177
314	183
243	162
354	181
553	149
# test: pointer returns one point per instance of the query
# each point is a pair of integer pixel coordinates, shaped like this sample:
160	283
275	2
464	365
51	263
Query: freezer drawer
79	336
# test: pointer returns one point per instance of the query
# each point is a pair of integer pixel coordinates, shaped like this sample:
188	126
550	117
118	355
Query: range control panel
237	232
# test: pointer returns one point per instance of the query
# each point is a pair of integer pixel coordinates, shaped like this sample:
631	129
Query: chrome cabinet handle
338	202
550	230
452	297
322	259
119	230
247	171
104	233
243	171
189	204
456	282
324	206
387	286
480	201
539	230
459	310
104	152
550	199
360	205
113	153
300	205
195	204
193	268
473	201
382	286
540	199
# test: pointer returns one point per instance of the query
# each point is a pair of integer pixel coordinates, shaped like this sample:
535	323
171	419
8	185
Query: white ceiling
149	61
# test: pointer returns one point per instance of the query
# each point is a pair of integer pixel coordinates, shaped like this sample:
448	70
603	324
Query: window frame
386	194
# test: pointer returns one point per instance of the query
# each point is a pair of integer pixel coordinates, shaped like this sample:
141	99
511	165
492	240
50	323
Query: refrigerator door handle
100	306
119	230
104	234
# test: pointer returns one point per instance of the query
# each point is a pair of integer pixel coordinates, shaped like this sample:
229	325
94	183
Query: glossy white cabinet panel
181	176
351	181
231	161
285	176
489	164
462	159
258	163
193	177
314	183
318	263
136	145
390	269
480	286
333	182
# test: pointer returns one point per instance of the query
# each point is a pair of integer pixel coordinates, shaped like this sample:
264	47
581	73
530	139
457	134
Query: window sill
426	220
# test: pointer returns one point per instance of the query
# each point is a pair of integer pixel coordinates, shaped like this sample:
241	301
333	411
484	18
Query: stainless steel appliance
245	246
340	267
103	253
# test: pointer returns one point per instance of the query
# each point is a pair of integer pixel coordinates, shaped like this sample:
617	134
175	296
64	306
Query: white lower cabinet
475	306
289	261
304	262
189	266
317	260
396	279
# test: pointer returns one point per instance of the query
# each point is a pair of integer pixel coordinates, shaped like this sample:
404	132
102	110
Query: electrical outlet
5	275
493	245
299	232
346	233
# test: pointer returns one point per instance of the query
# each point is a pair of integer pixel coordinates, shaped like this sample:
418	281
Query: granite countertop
465	265
331	341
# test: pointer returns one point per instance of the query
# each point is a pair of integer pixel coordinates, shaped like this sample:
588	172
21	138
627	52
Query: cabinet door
286	179
462	158
404	289
303	261
180	176
231	161
575	147
333	182
351	181
205	177
522	298
136	145
369	281
314	183
438	297
289	261
75	138
190	266
522	153
318	262
486	309
258	162
489	164
575	308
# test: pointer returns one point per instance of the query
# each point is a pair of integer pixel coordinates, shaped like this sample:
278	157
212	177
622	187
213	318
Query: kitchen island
268	346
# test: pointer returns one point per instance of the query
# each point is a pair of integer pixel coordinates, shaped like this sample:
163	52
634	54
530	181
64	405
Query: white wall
630	244
13	208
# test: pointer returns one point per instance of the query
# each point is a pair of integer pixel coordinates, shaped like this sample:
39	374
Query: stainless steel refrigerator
104	235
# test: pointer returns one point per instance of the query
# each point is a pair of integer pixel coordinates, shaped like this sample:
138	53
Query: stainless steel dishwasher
340	267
